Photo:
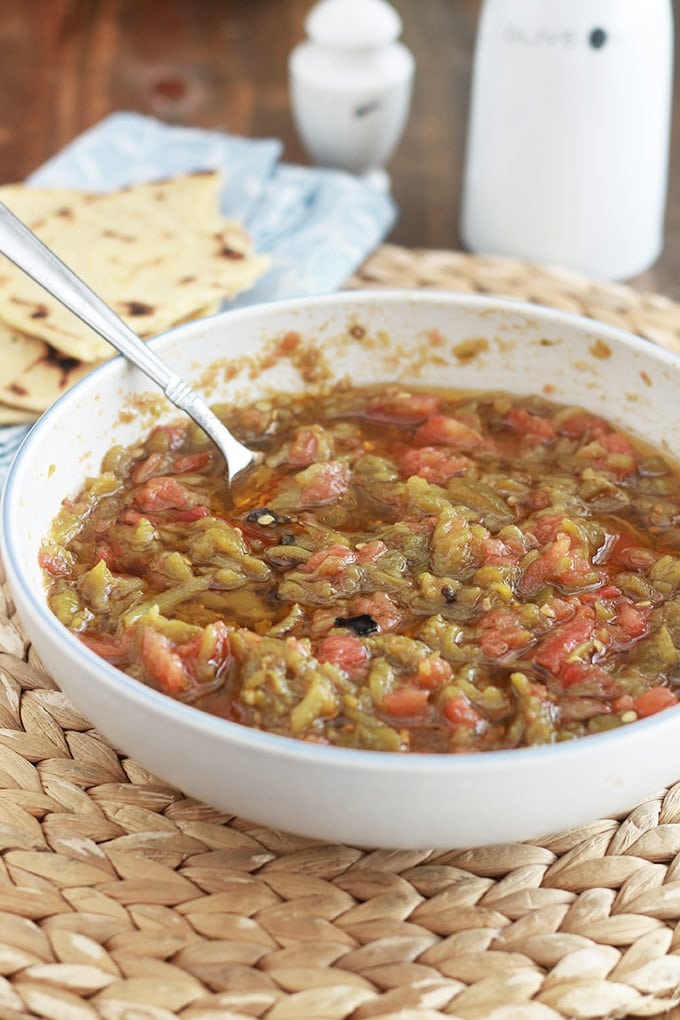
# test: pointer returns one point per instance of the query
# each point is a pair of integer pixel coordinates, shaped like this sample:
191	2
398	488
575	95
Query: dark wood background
65	64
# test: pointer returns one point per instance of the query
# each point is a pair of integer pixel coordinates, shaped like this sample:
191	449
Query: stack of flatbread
158	254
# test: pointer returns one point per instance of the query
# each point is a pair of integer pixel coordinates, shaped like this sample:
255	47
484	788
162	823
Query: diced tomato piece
587	675
193	513
403	408
654	700
433	671
633	620
208	652
110	647
501	633
627	553
111	553
546	527
609	450
322	483
188	650
380	607
433	464
563	609
162	661
614	442
554	651
193	462
495	552
179	666
330	561
560	562
442	430
220	647
343	650
55	564
155	464
458	711
304	448
542	569
164	493
372	551
579	424
175	434
608	591
538	499
619	545
624	703
131	516
527	424
405	702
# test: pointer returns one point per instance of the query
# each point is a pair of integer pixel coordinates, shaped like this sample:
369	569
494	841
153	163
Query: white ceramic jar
350	84
568	137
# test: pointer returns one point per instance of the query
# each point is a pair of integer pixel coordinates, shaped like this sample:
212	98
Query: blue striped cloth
317	225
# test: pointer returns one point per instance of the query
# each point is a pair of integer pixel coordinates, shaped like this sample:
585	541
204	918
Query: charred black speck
39	313
265	517
362	624
449	594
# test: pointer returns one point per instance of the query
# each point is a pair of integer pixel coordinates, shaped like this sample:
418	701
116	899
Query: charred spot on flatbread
230	253
65	365
135	308
34	374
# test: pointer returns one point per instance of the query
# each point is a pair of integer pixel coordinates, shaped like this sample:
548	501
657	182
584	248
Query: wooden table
65	64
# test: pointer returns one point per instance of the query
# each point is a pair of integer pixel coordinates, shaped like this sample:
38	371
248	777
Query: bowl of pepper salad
442	608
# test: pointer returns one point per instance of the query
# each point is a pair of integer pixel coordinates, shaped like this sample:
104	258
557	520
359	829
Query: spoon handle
28	252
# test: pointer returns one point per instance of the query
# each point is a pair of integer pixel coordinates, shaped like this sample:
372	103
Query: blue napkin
317	225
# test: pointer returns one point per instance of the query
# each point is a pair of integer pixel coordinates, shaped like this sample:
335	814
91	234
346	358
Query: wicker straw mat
122	898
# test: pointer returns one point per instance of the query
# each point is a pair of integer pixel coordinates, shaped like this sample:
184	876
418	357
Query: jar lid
353	24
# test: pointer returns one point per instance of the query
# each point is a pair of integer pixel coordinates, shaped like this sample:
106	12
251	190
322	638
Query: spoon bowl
34	258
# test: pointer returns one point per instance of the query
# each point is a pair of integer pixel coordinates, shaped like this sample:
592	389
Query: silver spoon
28	252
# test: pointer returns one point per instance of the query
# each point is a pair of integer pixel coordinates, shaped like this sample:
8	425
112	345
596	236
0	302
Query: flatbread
32	373
32	204
13	416
157	253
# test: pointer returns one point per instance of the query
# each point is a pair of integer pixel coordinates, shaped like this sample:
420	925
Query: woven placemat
121	898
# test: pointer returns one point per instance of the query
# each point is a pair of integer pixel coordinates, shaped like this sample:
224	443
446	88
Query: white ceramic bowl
362	797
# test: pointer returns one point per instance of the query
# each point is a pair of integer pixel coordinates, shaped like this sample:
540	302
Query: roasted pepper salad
403	570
